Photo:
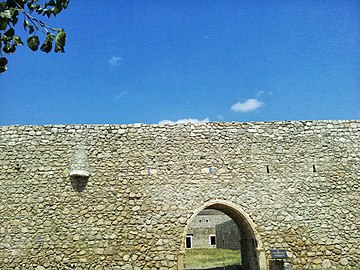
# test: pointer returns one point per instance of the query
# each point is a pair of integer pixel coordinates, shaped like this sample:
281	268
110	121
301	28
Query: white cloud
186	120
120	95
114	60
248	105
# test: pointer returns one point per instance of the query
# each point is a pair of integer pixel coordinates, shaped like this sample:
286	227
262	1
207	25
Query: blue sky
150	61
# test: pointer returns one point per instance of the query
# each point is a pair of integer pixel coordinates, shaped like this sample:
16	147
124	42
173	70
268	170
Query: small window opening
212	240
314	169
188	242
267	169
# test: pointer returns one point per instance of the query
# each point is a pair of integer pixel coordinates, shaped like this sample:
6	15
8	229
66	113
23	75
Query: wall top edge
209	124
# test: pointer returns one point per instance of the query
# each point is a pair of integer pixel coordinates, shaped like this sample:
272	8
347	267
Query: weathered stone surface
298	182
344	261
326	263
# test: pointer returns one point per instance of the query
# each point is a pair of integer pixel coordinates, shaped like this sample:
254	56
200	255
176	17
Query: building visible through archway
205	230
230	220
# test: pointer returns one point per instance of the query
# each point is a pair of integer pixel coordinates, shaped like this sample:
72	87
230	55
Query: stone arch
252	250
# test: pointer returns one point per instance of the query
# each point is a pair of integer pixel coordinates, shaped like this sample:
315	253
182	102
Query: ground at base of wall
203	258
228	267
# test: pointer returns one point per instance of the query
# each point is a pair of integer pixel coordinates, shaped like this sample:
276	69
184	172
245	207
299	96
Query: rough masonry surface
298	182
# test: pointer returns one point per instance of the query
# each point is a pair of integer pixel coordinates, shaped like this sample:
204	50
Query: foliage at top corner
29	12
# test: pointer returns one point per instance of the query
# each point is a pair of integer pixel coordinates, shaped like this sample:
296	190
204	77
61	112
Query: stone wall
298	182
228	235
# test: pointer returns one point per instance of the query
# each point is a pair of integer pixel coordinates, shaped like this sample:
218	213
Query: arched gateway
252	251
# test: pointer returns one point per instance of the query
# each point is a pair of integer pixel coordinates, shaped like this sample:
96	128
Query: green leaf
33	42
3	63
10	3
6	14
3	24
66	3
60	41
47	45
39	9
3	6
56	10
6	38
10	32
31	29
18	41
9	48
47	12
51	3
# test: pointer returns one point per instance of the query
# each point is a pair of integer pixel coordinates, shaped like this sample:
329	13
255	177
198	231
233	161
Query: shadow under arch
252	251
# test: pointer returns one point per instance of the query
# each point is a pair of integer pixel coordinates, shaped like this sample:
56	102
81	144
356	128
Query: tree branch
33	20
